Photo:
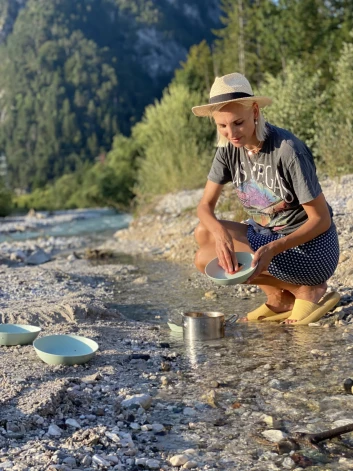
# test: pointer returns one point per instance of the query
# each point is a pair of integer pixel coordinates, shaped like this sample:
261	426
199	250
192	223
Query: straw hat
228	89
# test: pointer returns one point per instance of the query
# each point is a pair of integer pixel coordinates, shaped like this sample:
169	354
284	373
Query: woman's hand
262	257
225	251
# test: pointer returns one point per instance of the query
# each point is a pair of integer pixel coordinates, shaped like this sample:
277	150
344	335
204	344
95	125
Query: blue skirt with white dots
308	264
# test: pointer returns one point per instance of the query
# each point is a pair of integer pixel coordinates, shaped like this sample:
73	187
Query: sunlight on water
94	221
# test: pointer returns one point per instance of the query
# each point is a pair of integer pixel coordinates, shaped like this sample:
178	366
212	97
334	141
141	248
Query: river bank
147	400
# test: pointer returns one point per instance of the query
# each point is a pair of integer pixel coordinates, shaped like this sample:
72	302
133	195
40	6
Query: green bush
335	127
178	147
297	102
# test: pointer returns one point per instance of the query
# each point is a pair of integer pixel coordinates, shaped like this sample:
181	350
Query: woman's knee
202	234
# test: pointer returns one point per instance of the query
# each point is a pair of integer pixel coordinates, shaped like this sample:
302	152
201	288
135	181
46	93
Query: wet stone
347	385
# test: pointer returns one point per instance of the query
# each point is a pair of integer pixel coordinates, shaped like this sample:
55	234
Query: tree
335	122
5	200
59	102
178	147
297	101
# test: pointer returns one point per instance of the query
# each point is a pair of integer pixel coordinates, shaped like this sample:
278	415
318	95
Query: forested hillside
95	106
74	73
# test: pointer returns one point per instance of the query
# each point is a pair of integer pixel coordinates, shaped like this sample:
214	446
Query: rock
135	426
268	419
210	398
156	428
164	345
71	258
72	423
100	461
178	460
6	465
214	384
288	463
190	465
18	255
141	280
211	295
188	411
70	461
54	430
38	257
348	383
164	381
140	400
165	366
152	464
113	459
86	460
274	435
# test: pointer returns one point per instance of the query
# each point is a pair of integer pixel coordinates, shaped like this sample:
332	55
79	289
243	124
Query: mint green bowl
18	334
221	277
65	349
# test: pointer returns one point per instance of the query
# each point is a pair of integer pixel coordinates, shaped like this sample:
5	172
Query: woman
291	231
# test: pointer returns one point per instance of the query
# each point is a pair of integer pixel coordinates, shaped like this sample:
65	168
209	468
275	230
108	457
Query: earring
255	122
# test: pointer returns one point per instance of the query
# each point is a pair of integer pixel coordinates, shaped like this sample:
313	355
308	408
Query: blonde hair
260	129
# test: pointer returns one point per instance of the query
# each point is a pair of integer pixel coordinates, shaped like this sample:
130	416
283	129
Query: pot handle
232	319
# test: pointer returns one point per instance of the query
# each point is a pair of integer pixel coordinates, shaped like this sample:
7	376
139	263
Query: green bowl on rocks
18	334
65	349
216	273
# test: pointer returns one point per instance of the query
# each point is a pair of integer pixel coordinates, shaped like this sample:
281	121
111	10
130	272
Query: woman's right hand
225	251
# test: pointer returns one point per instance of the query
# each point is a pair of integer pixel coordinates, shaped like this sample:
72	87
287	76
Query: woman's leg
280	294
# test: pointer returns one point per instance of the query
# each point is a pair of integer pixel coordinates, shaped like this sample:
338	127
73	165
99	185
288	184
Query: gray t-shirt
273	184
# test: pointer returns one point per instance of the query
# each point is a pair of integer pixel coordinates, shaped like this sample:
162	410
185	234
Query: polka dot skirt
308	264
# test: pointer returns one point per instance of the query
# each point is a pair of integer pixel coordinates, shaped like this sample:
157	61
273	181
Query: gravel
147	400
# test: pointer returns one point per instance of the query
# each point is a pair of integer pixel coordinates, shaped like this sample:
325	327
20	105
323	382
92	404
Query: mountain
74	73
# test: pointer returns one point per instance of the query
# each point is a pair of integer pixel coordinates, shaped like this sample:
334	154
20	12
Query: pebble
274	435
100	461
188	411
190	465
152	464
178	460
72	423
6	465
54	430
143	400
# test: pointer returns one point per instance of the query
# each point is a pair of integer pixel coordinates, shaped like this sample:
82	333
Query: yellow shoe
267	314
306	312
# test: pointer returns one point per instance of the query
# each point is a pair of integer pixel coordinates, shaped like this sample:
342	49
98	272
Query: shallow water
293	374
172	289
94	221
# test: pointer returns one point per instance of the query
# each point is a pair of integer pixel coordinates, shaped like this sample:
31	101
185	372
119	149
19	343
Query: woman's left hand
262	257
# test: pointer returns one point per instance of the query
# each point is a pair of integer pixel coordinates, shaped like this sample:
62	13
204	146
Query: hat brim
205	110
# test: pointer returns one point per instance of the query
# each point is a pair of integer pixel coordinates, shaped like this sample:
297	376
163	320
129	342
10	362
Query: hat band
228	97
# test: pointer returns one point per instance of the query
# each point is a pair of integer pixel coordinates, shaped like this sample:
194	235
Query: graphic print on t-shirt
260	202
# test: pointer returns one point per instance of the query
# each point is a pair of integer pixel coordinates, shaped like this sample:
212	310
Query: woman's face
237	123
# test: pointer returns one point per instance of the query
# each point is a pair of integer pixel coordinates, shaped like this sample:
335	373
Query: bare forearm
208	218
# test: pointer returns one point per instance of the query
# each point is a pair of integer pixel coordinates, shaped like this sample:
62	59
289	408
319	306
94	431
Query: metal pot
205	325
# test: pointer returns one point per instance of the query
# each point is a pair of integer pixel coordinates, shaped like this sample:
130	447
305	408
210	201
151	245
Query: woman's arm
319	221
223	240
